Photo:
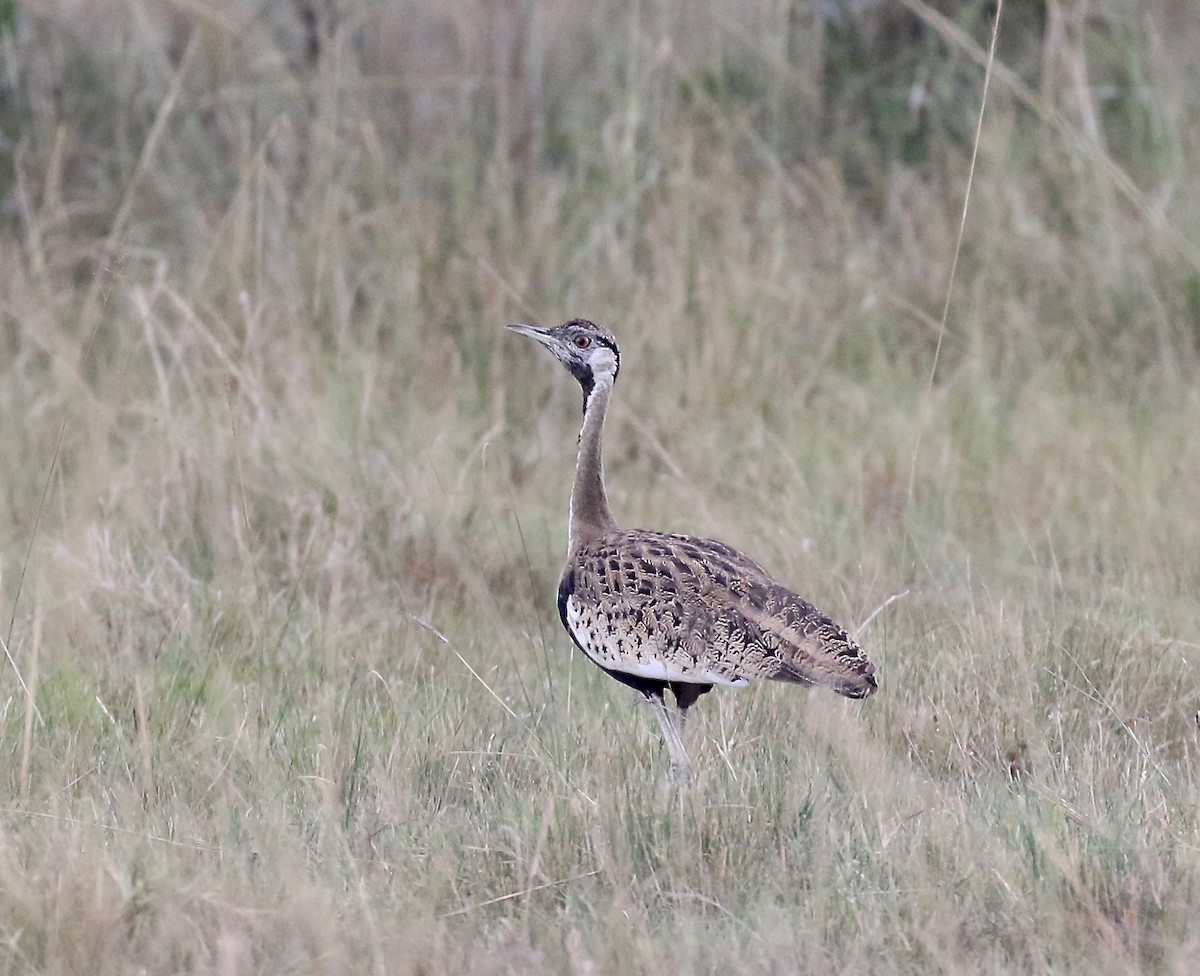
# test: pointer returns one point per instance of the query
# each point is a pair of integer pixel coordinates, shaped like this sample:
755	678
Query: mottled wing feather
678	608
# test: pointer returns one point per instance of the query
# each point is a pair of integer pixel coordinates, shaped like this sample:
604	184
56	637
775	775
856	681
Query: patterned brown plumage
660	611
675	608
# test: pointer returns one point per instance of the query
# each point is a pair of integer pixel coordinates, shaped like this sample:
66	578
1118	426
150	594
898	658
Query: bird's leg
680	764
686	695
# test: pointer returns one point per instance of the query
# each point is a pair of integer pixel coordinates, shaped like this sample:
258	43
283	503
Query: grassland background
282	505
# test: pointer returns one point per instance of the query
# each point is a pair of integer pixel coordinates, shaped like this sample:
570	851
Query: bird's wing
679	608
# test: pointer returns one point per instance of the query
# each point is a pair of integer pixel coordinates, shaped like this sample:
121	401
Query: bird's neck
590	515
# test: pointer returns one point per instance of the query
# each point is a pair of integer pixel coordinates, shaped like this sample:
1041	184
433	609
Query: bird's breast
626	643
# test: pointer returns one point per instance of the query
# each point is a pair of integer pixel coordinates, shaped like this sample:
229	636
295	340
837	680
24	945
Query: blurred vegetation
283	510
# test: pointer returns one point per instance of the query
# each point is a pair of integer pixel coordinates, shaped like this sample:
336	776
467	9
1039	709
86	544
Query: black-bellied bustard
659	611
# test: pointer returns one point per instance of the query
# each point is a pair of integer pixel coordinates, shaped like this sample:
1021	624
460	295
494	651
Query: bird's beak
552	343
541	335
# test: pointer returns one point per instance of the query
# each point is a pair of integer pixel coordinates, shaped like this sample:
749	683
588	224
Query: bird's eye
582	341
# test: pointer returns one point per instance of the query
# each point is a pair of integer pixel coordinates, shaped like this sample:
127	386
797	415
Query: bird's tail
829	657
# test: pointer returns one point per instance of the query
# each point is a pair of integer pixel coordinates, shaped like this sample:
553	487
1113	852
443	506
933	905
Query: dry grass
283	505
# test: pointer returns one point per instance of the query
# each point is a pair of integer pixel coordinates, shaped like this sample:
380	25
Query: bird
664	612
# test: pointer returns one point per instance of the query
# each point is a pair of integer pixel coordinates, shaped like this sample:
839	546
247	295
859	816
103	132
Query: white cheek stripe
603	363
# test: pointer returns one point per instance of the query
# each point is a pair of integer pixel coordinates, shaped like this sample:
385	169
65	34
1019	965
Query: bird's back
678	608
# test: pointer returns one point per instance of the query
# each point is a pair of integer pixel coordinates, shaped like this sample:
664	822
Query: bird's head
588	350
